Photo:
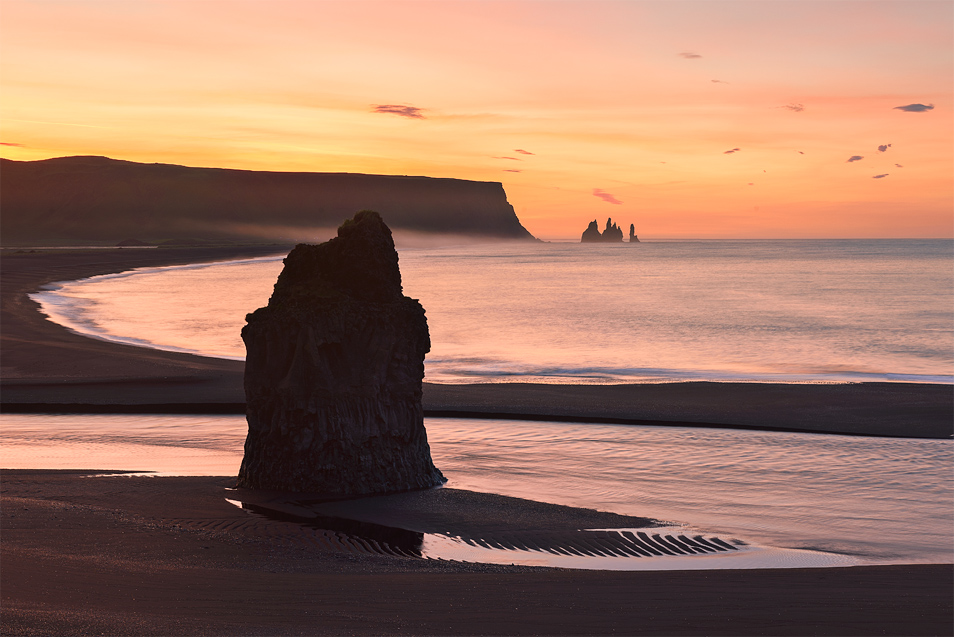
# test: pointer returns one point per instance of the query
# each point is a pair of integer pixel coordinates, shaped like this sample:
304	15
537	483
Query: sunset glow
697	119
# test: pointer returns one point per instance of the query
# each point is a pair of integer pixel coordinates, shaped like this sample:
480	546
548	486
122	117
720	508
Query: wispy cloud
523	152
718	81
899	166
801	152
689	55
605	196
915	108
11	144
854	158
510	158
511	170
883	147
399	109
880	176
734	150
795	107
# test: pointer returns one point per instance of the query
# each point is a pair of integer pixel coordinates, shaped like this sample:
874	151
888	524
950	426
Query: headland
85	200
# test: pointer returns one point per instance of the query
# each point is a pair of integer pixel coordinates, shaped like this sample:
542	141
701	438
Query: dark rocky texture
83	200
333	373
611	234
632	234
592	233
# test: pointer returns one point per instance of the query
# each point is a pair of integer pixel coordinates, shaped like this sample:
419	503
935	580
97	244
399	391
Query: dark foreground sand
46	368
169	556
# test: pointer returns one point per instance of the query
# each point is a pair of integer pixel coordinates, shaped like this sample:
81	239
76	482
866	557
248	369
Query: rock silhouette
632	234
333	373
592	233
79	199
611	234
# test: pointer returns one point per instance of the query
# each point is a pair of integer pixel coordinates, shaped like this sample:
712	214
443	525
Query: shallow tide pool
873	500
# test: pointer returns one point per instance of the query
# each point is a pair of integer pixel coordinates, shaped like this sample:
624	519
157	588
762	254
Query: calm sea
794	311
787	311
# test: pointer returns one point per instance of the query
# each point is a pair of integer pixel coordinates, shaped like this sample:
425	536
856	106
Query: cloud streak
510	158
689	55
880	176
729	152
718	81
522	151
605	196
511	170
412	112
854	158
795	107
914	108
11	144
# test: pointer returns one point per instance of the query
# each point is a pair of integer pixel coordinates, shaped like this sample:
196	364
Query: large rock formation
78	200
611	234
333	373
632	234
592	233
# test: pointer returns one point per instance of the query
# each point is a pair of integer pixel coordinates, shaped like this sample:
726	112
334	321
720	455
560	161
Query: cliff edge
97	199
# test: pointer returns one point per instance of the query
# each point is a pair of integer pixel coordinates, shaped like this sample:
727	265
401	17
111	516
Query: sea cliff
97	199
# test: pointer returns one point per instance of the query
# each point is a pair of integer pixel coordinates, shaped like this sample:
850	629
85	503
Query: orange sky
635	100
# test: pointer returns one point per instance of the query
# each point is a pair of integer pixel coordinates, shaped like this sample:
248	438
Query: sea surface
837	499
763	311
788	311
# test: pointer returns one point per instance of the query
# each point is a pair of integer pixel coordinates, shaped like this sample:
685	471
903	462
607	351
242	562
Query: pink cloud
605	196
399	109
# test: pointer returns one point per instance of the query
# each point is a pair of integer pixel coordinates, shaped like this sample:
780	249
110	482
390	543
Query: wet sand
127	555
169	556
48	369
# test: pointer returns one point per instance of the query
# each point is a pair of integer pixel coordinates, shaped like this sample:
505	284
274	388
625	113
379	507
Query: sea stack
632	234
611	234
592	233
333	373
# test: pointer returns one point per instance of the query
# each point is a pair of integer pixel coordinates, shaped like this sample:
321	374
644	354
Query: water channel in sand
870	500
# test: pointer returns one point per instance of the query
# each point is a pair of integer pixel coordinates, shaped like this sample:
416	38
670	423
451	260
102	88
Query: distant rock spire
632	234
592	233
613	233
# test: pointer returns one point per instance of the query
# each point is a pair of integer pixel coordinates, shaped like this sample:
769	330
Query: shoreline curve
46	365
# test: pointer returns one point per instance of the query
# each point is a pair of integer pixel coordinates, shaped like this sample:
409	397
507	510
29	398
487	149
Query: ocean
759	311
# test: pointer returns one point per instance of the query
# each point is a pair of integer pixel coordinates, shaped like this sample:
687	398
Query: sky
711	119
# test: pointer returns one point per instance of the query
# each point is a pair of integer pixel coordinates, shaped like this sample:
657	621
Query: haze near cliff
95	199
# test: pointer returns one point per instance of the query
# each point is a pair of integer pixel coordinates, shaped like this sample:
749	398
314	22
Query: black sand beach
169	556
122	555
48	369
